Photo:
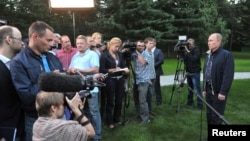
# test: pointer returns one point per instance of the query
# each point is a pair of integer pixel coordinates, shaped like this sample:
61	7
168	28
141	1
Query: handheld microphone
91	80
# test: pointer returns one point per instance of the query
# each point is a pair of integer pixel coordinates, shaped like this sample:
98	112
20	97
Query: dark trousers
218	105
114	94
136	99
157	87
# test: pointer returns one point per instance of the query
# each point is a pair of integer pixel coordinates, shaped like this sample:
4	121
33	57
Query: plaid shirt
142	71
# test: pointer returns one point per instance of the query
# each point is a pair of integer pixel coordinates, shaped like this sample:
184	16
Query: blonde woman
99	46
112	62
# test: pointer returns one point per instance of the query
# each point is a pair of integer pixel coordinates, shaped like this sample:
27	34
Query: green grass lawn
242	63
183	124
172	124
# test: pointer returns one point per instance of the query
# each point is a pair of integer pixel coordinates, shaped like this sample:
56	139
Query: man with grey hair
218	77
87	63
56	43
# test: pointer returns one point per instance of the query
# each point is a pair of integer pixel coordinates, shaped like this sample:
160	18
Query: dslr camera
180	46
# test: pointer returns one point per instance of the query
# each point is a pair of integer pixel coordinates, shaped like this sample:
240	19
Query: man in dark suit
159	60
11	114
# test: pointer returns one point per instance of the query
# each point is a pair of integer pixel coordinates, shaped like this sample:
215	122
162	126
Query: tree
195	18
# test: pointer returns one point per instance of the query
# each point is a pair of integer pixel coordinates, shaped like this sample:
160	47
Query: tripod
179	78
129	89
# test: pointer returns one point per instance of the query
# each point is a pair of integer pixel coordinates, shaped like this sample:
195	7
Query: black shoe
152	114
118	123
158	103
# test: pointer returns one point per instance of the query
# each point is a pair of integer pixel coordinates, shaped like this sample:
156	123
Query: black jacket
11	114
193	61
222	72
108	62
159	60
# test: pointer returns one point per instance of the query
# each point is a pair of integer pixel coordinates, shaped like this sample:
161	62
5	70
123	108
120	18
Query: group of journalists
50	115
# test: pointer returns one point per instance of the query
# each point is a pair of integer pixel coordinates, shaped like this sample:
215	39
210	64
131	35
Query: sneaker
145	122
111	126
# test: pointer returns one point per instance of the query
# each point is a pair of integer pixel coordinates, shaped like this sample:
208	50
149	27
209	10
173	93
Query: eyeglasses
16	38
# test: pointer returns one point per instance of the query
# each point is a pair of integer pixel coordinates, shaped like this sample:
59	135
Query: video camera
3	22
82	93
180	46
101	44
131	47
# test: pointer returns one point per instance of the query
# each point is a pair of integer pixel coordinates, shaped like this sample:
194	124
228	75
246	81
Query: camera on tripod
130	48
180	46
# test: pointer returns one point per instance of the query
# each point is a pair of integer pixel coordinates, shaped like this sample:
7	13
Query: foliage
137	19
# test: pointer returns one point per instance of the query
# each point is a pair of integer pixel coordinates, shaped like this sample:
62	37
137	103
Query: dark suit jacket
11	114
159	60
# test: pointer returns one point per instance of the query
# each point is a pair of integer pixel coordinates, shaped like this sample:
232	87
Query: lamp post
71	5
74	26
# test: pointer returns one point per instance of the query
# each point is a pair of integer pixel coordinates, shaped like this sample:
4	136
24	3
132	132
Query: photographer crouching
50	124
193	67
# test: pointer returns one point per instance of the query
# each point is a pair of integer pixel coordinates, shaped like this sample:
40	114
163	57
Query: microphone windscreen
55	82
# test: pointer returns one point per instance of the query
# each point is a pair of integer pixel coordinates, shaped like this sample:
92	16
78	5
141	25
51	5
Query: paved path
169	79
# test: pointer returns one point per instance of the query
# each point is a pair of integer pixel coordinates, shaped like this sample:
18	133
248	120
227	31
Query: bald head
7	30
10	41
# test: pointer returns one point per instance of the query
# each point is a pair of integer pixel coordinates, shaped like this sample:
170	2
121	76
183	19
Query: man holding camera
193	67
51	126
143	63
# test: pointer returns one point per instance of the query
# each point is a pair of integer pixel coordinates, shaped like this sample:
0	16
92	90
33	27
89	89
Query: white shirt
5	60
153	49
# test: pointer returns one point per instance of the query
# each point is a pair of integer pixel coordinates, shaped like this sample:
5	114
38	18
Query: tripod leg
173	89
178	102
175	80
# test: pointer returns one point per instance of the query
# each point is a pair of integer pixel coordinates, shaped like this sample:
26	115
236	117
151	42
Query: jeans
193	81
144	112
29	121
150	95
95	116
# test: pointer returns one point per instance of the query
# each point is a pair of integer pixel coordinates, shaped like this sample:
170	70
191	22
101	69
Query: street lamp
71	5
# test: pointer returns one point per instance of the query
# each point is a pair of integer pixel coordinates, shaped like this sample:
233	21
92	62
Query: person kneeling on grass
50	124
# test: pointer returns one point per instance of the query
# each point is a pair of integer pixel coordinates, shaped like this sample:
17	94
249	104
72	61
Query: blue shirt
87	60
142	71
